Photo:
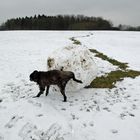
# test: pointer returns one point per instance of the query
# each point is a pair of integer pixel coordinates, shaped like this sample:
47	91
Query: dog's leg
76	80
62	90
42	88
47	90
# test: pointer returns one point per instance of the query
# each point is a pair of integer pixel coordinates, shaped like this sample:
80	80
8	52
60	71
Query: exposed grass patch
112	61
109	80
75	41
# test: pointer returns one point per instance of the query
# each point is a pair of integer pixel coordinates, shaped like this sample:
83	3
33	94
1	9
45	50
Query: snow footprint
52	133
1	137
34	103
125	114
30	132
13	121
114	131
1	100
18	91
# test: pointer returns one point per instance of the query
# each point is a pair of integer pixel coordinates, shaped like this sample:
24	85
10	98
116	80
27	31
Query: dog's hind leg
47	90
62	90
76	80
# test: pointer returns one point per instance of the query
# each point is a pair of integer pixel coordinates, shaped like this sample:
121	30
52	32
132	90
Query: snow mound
75	58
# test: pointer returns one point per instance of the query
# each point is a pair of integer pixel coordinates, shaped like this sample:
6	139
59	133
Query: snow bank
77	59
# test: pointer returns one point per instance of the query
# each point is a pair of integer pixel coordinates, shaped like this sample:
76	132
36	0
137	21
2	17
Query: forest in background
62	22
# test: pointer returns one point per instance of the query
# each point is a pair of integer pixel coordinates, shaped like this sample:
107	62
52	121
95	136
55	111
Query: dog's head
34	76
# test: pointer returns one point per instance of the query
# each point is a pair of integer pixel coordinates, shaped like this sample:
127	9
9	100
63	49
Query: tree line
128	28
59	22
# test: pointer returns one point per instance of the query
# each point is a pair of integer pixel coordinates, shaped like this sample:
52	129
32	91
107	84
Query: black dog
53	77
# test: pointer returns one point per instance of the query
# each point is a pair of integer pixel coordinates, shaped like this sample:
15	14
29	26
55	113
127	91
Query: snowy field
89	114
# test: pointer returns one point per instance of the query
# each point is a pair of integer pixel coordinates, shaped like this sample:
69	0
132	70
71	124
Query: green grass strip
112	61
109	80
75	41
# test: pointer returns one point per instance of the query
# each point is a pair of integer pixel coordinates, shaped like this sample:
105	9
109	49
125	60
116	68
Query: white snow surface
75	58
89	114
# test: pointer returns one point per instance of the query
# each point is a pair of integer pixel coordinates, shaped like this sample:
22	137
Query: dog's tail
76	80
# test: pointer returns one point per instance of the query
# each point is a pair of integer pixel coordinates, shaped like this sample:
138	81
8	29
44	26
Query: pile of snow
77	59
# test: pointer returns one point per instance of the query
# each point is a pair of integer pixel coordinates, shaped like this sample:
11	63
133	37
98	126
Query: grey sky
118	11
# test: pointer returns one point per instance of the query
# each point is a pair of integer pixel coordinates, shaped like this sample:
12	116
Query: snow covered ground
89	114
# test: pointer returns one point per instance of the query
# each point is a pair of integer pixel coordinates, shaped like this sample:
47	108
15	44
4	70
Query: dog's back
55	76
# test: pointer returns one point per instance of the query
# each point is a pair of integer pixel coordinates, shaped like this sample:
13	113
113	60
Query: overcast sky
118	11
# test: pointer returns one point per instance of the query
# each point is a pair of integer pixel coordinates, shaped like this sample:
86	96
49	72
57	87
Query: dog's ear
35	71
35	75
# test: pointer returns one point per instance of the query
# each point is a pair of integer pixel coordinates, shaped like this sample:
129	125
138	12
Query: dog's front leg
42	88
